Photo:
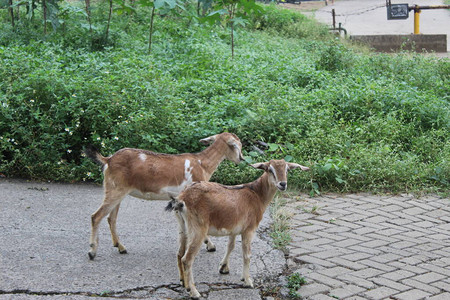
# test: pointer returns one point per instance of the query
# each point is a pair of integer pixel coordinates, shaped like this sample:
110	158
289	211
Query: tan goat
155	176
207	208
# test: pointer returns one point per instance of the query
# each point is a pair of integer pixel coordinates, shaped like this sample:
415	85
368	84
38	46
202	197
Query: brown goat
154	176
207	208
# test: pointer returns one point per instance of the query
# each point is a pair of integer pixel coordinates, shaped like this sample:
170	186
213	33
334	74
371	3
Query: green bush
360	121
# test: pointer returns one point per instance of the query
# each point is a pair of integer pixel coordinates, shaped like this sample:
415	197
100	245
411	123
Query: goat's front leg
225	263
112	220
246	252
210	247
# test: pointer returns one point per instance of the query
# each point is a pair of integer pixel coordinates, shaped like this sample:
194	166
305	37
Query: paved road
44	233
363	246
367	17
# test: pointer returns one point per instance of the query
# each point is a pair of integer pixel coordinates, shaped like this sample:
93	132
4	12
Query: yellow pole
416	20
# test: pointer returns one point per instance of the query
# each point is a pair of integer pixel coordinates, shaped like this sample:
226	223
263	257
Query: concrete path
44	234
369	17
371	247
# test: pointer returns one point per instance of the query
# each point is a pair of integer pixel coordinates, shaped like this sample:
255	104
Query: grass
280	227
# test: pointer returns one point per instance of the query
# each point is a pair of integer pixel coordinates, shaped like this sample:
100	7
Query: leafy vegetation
361	121
295	281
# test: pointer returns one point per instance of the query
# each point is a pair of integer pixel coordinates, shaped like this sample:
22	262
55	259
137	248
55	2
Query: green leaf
327	167
288	158
253	154
248	159
273	147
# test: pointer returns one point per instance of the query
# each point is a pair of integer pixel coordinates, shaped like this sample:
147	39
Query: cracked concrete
45	227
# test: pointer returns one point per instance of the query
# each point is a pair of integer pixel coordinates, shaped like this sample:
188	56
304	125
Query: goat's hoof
91	255
123	251
224	269
195	295
248	284
212	249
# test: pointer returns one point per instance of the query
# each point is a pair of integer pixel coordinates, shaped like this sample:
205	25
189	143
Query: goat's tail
174	204
95	155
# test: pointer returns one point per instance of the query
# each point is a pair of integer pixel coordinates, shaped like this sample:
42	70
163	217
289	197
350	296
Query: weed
295	281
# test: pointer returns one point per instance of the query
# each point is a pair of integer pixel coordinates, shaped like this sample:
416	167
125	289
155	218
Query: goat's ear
292	166
262	166
207	141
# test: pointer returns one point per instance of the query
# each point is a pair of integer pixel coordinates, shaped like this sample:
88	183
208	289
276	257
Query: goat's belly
223	231
150	195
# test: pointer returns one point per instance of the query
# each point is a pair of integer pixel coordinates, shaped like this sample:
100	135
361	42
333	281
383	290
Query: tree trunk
88	13
44	9
11	12
109	19
151	31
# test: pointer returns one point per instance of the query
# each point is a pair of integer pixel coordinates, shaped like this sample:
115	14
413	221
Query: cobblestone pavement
364	246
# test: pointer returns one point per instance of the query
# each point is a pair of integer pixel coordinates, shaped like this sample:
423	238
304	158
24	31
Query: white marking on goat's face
236	150
142	156
278	171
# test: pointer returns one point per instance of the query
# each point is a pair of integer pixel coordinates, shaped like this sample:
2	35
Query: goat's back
222	207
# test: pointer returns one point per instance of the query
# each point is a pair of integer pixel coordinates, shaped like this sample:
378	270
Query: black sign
397	11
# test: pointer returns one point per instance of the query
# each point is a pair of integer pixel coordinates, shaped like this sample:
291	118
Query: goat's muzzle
282	185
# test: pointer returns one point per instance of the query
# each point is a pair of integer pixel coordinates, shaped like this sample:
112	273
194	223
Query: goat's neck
211	157
265	189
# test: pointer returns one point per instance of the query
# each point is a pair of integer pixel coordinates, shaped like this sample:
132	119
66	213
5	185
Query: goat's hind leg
194	245
111	200
112	220
224	267
210	247
182	241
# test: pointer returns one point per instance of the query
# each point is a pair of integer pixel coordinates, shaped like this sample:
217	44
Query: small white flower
70	133
98	138
89	174
67	129
116	138
74	95
103	144
69	151
32	101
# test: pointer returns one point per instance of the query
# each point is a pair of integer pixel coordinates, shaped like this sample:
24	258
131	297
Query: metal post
416	20
333	13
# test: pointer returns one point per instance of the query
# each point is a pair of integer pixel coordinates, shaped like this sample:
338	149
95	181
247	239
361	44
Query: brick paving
363	246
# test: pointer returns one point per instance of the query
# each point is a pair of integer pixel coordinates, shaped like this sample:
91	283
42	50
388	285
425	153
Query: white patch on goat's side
142	156
175	190
105	167
199	162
